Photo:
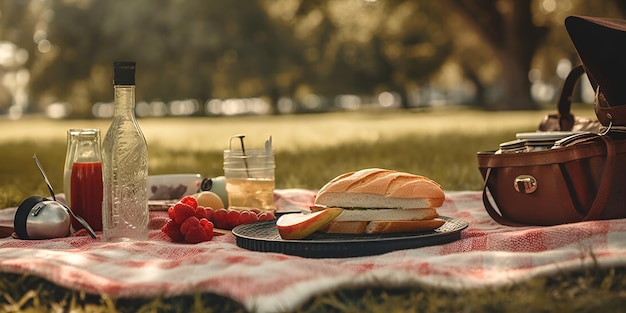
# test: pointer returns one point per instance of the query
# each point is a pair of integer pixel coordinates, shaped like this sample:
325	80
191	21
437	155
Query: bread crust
403	188
381	227
348	215
385	227
353	227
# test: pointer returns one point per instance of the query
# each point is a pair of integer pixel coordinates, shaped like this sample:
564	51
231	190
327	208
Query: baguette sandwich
377	201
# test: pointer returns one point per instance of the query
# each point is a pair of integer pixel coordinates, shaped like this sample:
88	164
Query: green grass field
310	150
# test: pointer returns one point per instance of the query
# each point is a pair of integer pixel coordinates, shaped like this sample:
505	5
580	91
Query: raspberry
190	201
201	212
209	213
172	230
182	212
266	216
219	218
208	227
232	218
196	234
189	223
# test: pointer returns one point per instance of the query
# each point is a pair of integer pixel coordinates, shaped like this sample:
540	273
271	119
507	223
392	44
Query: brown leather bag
584	178
579	182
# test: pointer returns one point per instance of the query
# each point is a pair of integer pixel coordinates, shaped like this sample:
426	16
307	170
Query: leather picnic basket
582	175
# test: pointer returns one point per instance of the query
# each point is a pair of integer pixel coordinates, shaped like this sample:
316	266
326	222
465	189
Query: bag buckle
525	184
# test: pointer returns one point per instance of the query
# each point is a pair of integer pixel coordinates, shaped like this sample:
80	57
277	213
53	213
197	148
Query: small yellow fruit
210	199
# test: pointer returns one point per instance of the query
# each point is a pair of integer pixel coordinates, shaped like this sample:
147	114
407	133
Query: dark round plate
264	237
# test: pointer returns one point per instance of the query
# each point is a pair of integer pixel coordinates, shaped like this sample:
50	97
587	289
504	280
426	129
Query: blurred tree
19	23
416	43
515	31
388	45
247	48
184	49
507	27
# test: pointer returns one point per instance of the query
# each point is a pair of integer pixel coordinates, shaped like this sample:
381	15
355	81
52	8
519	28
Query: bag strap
598	205
489	207
564	105
602	197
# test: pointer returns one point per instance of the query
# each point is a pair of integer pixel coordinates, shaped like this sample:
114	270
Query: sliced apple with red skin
300	225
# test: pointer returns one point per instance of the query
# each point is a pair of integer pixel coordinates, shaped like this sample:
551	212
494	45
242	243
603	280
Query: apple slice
300	225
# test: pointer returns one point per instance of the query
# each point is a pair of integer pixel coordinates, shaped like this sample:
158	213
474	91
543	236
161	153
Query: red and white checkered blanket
487	254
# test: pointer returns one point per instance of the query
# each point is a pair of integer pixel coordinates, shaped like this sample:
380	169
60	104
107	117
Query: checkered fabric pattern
488	254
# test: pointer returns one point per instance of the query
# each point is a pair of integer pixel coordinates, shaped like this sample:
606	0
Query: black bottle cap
124	73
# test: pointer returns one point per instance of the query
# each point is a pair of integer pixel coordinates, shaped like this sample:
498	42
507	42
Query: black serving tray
263	236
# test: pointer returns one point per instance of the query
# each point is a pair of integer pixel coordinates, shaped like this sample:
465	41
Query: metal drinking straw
243	151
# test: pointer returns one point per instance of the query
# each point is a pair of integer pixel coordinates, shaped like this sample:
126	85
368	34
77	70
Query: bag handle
598	205
564	105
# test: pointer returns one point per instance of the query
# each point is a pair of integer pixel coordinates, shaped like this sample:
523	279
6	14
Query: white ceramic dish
173	186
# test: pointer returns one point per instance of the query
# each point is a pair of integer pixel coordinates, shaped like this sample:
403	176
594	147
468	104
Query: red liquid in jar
86	184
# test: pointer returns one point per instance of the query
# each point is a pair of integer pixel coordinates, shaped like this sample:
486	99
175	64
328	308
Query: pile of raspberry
193	223
189	222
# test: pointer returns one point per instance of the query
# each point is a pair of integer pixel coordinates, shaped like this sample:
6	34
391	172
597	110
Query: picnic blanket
488	254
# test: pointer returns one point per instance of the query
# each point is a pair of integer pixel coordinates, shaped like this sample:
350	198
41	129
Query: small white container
173	186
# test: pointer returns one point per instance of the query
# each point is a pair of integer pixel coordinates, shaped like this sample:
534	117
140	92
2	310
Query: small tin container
41	218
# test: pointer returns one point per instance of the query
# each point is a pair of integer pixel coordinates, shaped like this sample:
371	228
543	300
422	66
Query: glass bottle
72	139
125	165
83	176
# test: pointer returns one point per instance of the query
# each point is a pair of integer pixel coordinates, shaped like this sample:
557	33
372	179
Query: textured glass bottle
125	165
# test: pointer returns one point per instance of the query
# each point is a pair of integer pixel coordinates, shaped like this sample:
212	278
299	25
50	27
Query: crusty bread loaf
380	188
384	227
378	201
344	227
384	214
381	227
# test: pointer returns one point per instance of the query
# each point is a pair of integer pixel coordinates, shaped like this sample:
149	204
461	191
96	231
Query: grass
310	150
585	291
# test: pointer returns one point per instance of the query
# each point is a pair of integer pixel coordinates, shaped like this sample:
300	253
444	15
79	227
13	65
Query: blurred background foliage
497	54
